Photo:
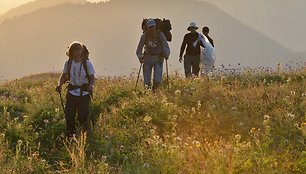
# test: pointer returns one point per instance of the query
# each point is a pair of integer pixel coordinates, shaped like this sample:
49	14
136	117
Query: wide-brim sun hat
192	25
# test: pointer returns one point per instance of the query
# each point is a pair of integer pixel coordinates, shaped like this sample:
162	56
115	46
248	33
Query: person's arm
63	78
183	47
212	42
91	73
140	48
166	48
92	80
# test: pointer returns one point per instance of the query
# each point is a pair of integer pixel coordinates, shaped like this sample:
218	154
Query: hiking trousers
191	65
154	63
76	106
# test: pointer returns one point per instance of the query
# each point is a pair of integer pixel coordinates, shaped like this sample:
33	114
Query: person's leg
209	66
158	74
187	66
70	114
196	65
147	72
83	112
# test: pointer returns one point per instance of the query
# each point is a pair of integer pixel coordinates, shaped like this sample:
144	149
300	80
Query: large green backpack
163	26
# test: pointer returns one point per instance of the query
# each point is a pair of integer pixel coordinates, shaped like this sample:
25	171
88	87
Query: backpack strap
84	62
69	68
161	43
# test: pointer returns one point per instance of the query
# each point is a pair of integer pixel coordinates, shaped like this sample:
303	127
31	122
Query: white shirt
78	75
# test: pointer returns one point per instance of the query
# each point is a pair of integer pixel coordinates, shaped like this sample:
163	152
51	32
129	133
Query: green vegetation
247	123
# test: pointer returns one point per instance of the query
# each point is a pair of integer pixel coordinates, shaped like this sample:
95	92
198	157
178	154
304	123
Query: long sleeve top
158	46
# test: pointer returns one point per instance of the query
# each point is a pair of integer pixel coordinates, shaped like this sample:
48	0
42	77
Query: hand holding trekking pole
180	59
141	60
58	89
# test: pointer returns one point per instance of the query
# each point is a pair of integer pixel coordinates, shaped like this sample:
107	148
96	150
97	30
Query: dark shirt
189	39
210	40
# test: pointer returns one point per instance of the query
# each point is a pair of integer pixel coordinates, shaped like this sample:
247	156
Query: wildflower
164	102
155	137
292	92
177	93
238	137
199	104
208	115
304	95
146	165
266	123
234	108
193	110
46	121
140	153
290	115
253	130
104	158
266	117
147	119
174	117
177	139
198	144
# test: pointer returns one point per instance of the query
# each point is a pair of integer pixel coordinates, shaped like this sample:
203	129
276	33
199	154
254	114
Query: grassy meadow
251	122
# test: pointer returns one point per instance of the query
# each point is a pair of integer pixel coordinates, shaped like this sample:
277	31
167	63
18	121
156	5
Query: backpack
158	39
163	26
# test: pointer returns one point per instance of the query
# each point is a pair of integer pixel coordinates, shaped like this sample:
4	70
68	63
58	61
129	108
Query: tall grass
238	122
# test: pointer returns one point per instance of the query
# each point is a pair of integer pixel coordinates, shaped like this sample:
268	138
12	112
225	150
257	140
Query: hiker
192	56
208	57
156	49
205	32
79	72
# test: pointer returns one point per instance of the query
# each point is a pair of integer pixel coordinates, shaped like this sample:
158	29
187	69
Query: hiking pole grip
138	76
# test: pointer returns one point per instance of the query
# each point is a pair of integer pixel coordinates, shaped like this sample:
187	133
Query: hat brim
189	28
151	26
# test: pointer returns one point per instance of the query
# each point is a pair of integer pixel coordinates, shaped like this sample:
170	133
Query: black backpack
163	26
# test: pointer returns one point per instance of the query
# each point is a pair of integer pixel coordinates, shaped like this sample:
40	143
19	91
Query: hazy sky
5	5
280	20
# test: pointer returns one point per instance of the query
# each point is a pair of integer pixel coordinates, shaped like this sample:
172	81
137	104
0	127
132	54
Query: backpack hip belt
83	88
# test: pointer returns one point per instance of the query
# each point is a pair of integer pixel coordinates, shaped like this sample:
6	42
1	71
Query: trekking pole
167	73
138	76
62	102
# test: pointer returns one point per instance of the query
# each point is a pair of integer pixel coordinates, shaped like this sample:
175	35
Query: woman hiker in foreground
156	49
79	72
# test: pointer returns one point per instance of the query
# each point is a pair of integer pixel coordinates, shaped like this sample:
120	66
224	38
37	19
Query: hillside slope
112	30
250	123
35	5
